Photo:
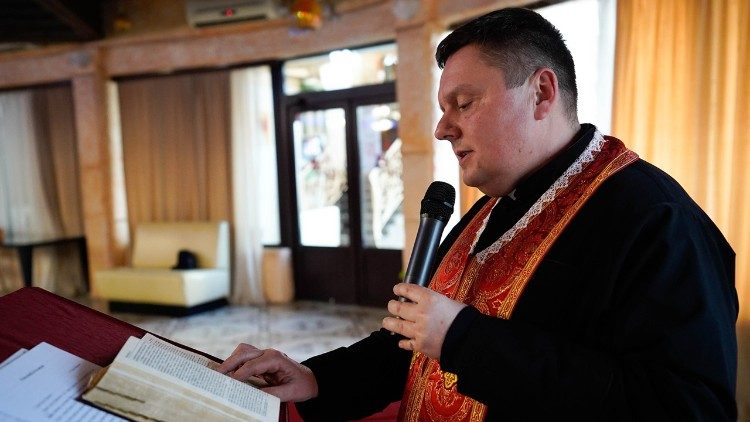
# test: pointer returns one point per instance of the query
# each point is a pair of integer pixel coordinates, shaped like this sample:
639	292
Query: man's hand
287	379
424	321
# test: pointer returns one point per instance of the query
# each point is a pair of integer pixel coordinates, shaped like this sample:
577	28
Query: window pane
592	47
320	164
341	69
380	175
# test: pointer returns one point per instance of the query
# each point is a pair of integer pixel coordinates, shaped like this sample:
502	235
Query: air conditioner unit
216	12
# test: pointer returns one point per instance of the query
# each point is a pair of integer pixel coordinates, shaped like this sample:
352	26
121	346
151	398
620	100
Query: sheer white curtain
252	133
24	209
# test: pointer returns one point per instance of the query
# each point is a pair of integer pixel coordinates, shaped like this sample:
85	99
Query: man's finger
241	354
399	326
400	309
404	290
269	362
406	344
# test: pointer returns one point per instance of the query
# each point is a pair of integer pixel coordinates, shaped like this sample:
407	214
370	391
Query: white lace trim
562	182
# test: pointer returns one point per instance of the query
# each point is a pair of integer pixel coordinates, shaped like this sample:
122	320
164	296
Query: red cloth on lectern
32	315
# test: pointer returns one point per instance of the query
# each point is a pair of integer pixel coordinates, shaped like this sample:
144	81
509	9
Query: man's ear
546	90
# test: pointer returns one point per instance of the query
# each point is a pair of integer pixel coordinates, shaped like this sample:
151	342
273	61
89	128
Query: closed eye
464	106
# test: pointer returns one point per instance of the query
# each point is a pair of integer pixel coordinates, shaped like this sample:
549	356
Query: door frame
317	285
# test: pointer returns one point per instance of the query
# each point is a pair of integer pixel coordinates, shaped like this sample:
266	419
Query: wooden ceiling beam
83	29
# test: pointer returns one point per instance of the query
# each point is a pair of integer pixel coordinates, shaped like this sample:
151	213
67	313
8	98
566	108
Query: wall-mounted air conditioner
216	12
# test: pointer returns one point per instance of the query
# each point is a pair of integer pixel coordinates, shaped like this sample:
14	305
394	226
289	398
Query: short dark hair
518	41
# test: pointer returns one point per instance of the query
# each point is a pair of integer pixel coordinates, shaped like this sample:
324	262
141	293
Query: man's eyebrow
459	89
455	91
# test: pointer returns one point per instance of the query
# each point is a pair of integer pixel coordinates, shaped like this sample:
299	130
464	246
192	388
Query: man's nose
446	130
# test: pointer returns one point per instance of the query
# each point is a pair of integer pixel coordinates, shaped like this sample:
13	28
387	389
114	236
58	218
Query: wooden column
416	89
90	102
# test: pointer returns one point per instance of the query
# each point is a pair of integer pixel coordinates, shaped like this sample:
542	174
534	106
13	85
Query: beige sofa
150	285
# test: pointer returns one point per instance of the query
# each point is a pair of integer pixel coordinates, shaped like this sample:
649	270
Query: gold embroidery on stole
449	380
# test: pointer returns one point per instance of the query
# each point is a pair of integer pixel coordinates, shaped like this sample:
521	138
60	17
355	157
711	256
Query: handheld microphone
437	207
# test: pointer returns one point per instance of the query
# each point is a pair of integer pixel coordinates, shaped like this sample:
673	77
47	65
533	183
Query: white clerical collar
548	196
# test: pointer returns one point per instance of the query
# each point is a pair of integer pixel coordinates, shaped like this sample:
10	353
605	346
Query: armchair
150	285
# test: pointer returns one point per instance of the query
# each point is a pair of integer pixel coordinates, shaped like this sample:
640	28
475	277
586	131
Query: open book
151	379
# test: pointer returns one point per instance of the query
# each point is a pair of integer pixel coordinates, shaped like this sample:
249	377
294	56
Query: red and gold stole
494	279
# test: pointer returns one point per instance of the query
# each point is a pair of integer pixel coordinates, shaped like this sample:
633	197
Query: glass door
348	195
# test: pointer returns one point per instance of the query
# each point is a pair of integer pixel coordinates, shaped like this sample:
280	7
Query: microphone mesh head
438	201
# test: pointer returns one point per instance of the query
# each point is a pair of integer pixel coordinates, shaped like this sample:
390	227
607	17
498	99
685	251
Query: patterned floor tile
300	330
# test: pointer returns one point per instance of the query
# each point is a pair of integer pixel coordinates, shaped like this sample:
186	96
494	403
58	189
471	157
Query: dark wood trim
359	94
59	84
354	195
283	157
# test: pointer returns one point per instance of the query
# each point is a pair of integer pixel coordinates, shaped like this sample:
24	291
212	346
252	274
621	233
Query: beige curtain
47	186
681	101
58	268
176	143
57	134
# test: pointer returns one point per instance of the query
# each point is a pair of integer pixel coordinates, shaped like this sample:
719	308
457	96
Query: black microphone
437	207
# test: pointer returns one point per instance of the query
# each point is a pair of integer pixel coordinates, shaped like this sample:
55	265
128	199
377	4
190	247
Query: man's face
487	125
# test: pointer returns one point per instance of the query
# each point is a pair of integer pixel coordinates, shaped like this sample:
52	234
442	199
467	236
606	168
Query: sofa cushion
162	286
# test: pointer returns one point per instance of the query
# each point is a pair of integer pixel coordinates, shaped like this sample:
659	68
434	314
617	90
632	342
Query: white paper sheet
13	357
43	384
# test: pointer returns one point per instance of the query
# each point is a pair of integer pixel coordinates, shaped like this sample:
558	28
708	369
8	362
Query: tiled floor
300	330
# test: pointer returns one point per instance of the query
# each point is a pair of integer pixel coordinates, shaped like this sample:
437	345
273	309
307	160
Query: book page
193	371
179	351
43	384
194	357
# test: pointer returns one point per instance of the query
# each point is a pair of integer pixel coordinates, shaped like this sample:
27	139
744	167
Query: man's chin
469	179
484	188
